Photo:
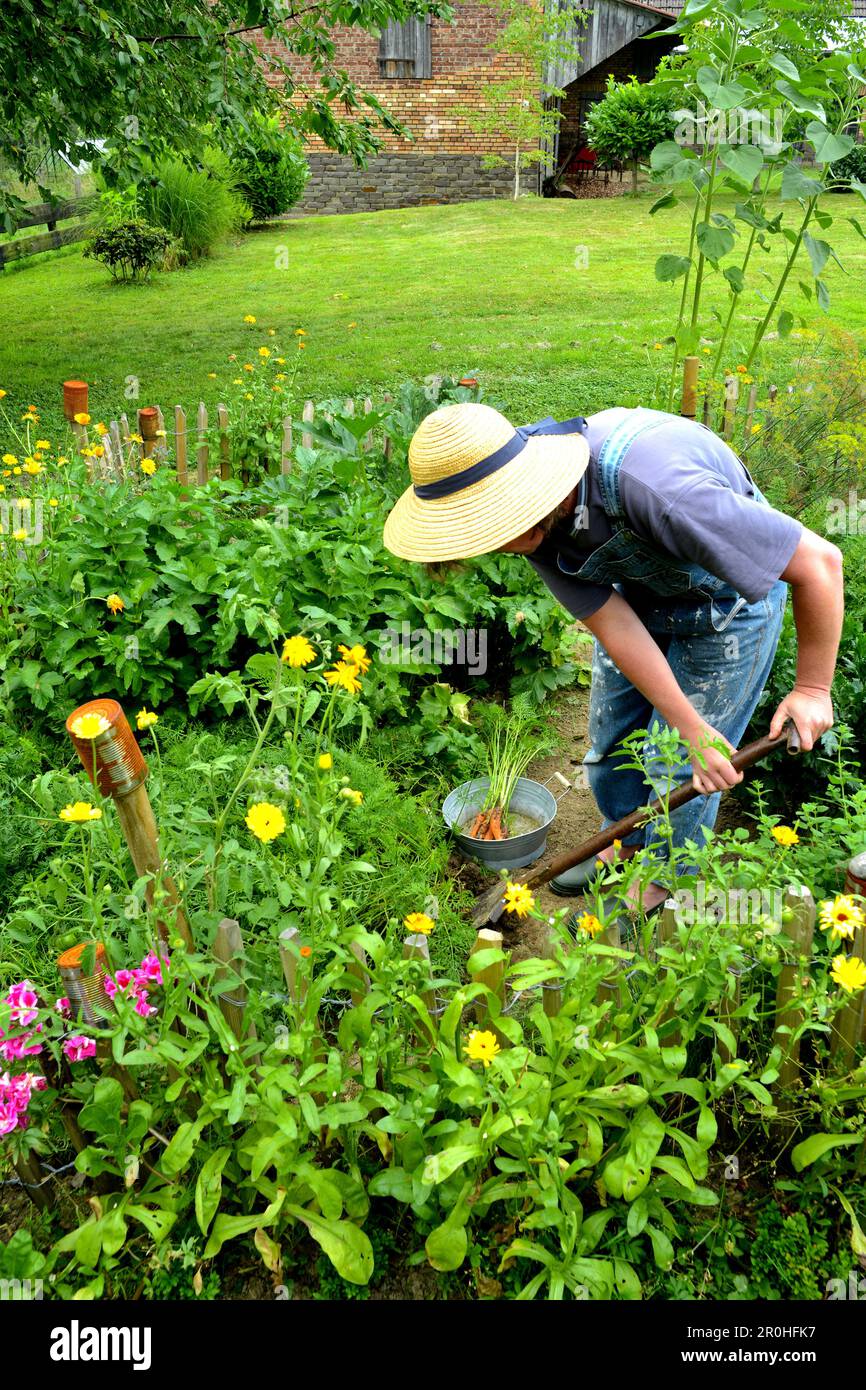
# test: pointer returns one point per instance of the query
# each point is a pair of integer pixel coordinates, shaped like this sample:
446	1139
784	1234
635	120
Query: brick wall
440	161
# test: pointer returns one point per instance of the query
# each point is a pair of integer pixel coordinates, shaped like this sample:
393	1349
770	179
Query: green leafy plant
725	70
199	206
269	165
629	121
130	250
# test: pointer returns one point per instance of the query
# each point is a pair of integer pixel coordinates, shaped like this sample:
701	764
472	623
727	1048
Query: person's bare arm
632	648
815	576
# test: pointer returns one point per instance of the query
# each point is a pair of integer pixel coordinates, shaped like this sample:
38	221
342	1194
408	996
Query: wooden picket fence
187	441
730	415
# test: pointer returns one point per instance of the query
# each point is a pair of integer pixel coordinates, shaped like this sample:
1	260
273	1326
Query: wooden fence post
308	417
667	930
228	947
32	1176
286	451
202	451
180	445
223	422
801	930
368	437
732	391
493	976
689	404
417	947
551	992
359	969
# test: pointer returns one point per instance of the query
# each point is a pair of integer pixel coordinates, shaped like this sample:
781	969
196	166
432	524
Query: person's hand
811	709
713	770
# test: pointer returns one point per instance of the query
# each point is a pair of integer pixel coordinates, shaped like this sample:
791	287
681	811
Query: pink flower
8	1118
124	978
16	1049
24	1001
151	970
142	1007
78	1048
109	986
63	1007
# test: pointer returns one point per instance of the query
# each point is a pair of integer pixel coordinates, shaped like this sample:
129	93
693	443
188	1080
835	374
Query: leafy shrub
131	250
787	1256
630	119
853	166
270	167
201	207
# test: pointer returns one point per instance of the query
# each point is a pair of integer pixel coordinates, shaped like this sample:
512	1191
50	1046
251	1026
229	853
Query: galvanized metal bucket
532	799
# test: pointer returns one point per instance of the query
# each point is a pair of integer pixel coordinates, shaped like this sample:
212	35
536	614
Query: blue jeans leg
616	709
722	667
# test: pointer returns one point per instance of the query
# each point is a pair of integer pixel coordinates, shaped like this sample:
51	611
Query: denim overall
719	646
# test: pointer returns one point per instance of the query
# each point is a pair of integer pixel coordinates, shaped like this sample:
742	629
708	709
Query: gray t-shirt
684	489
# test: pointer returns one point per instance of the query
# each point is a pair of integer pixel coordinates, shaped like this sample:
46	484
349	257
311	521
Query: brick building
424	72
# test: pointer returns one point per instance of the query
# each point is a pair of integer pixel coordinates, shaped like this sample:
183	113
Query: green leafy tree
121	82
521	111
629	121
734	67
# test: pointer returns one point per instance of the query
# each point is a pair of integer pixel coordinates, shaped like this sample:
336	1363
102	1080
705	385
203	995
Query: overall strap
615	448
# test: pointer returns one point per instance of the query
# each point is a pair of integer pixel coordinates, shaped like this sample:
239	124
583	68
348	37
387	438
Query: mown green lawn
493	287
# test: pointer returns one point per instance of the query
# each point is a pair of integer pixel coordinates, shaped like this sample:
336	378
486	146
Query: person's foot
573	882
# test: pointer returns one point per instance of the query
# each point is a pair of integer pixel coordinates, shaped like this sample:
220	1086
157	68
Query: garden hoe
489	910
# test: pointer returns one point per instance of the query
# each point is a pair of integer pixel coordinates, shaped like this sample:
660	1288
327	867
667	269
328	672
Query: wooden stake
202	451
359	970
728	1005
801	930
117	449
750	408
732	391
417	947
308	417
689	404
32	1176
180	445
223	423
228	947
138	824
551	992
667	934
493	976
286	451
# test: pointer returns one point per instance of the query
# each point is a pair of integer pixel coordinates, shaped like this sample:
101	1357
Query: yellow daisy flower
518	899
326	762
82	418
266	821
849	972
356	656
77	812
114	603
297	651
89	725
146	718
351	795
841	916
784	835
344	674
589	924
419	922
148	467
481	1046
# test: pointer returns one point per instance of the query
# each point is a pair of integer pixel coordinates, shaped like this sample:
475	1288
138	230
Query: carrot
496	823
477	828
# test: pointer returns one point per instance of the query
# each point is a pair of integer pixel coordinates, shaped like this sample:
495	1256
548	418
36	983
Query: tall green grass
202	207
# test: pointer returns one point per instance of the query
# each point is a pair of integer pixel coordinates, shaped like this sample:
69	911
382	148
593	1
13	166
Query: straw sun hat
477	482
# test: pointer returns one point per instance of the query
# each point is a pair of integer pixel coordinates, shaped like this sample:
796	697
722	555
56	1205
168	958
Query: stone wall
396	180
